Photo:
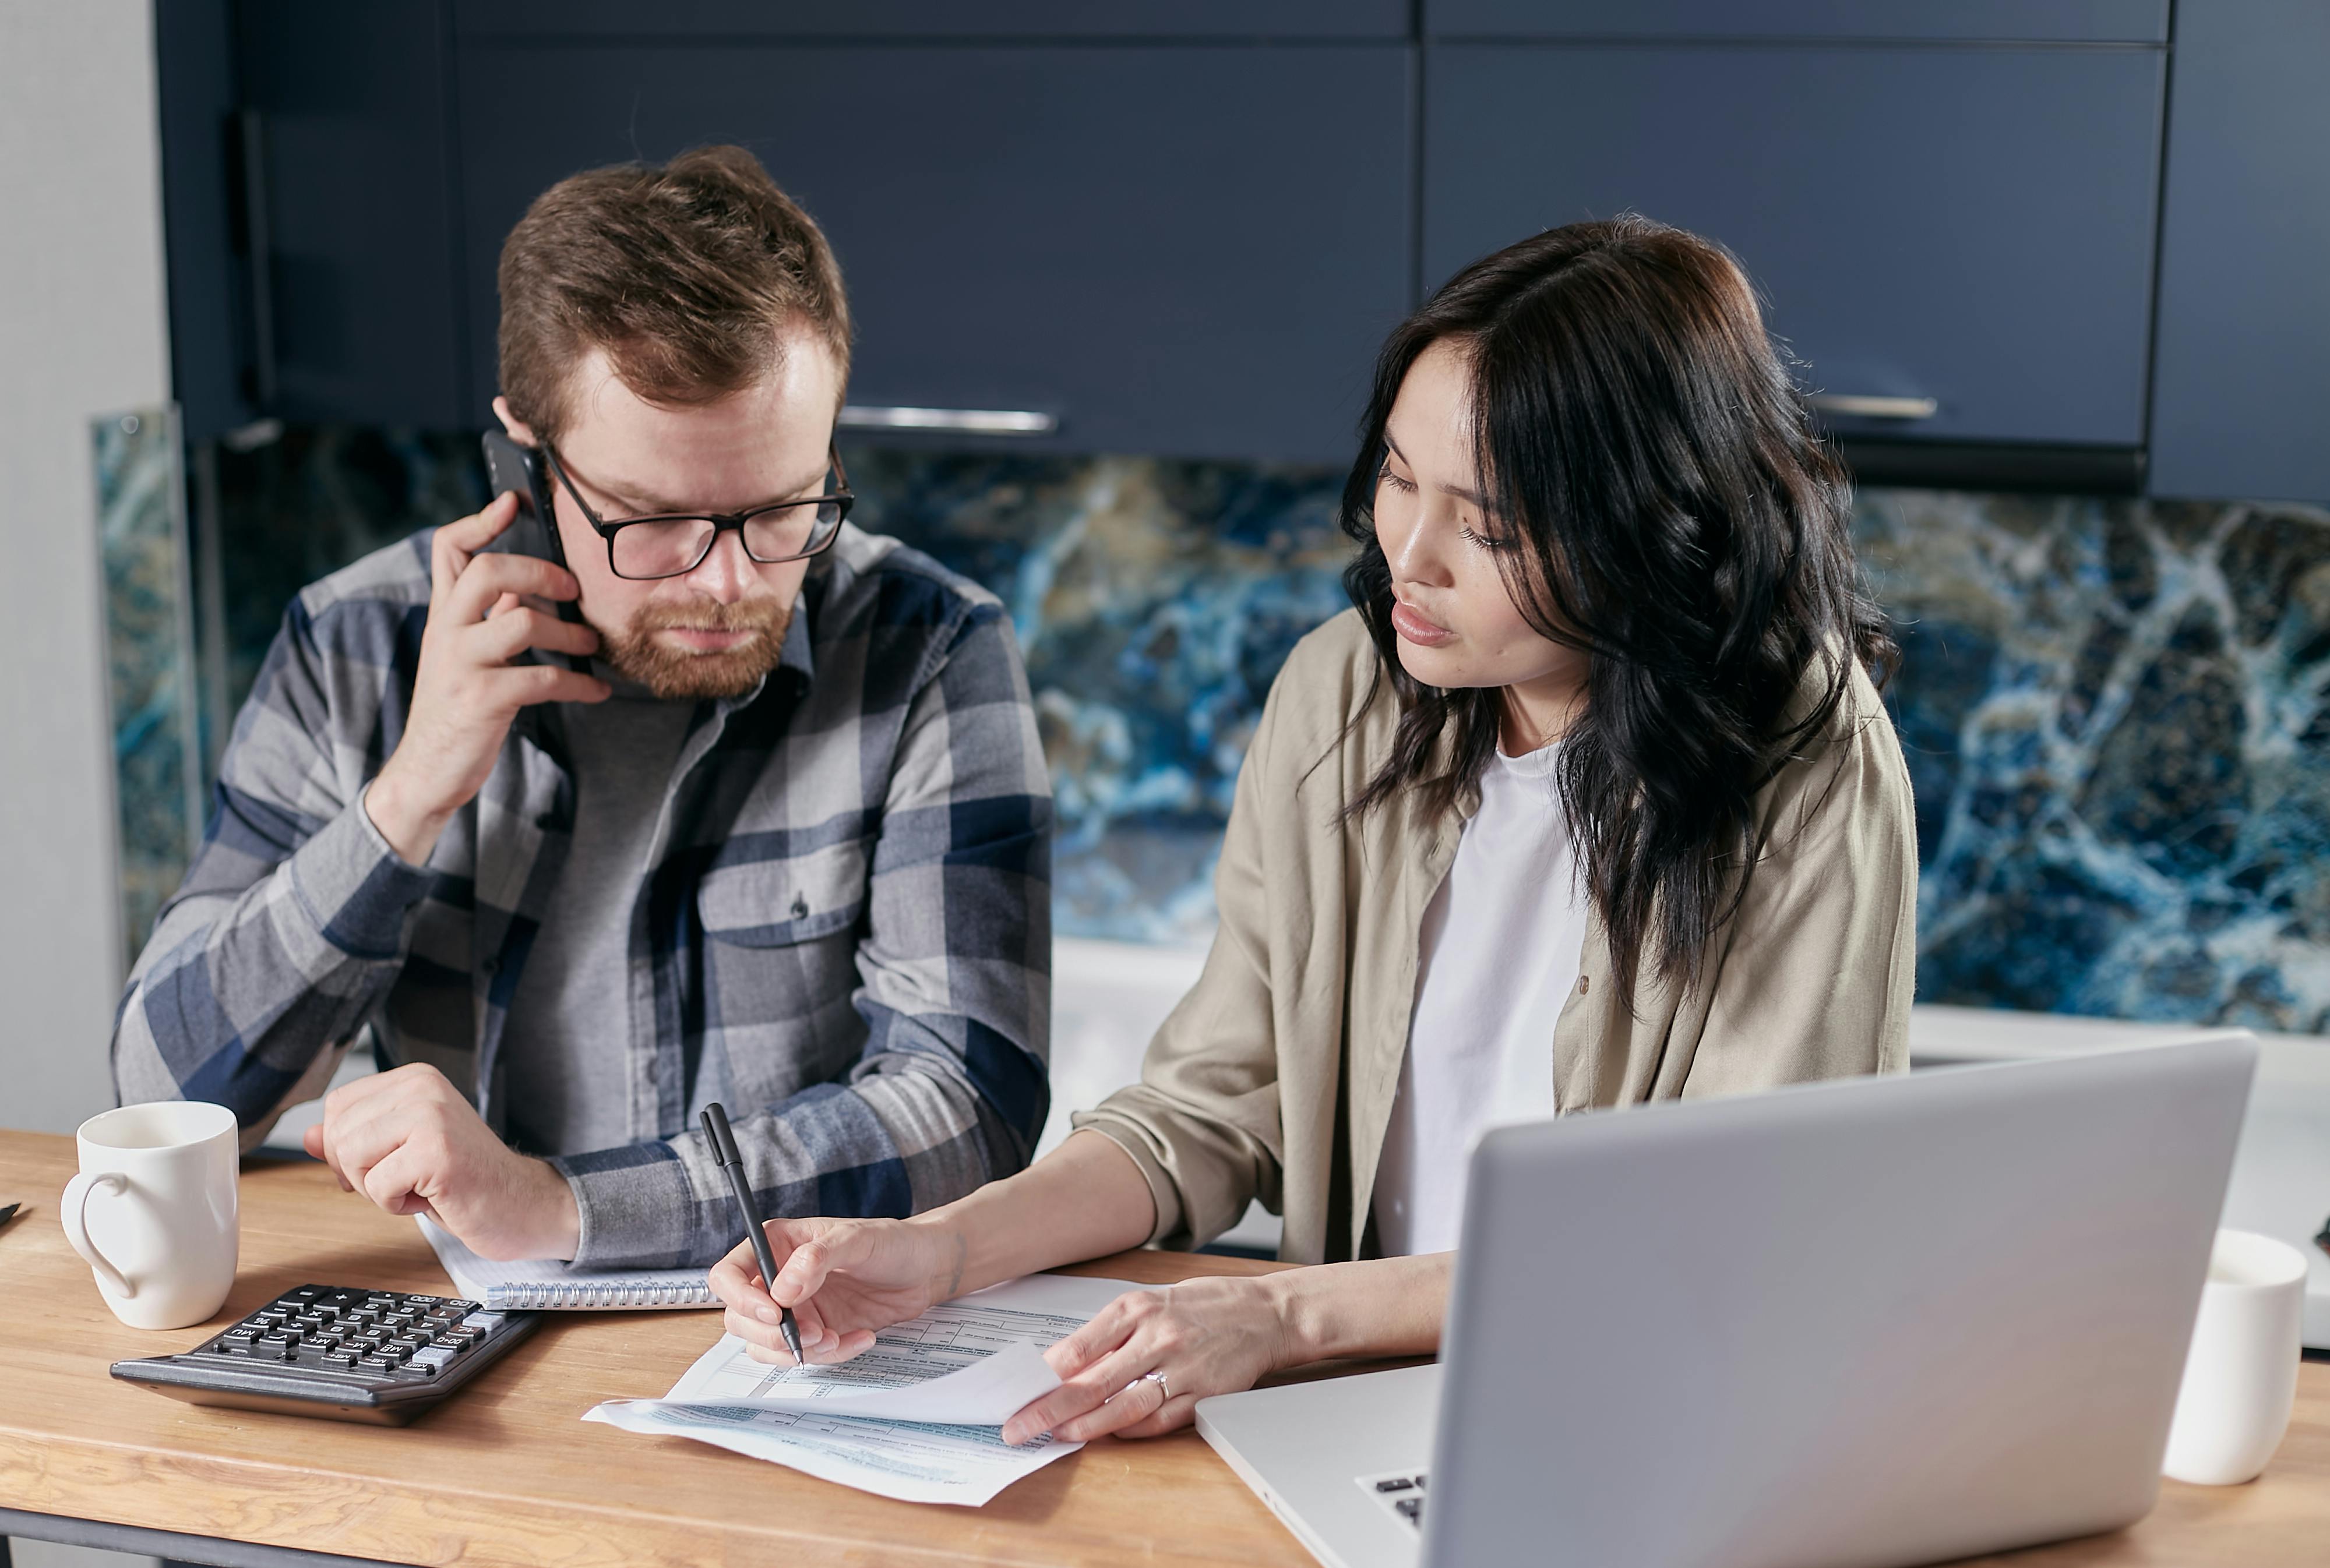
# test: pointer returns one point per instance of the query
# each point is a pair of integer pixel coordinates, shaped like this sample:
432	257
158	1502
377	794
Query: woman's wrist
1304	1330
946	1252
1085	1199
1386	1307
1323	1310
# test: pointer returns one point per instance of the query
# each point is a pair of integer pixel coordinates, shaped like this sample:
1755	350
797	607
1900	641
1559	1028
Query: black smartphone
510	467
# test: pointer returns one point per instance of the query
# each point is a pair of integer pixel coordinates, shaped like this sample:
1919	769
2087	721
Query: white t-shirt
1497	958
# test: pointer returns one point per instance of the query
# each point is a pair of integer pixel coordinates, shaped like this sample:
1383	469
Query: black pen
723	1149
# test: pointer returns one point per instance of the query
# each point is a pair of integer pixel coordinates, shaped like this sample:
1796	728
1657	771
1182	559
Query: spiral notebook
548	1285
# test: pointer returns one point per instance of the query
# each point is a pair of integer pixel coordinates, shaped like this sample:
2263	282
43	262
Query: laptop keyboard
1400	1491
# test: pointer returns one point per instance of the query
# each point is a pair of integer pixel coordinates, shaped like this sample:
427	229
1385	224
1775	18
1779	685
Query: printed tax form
919	1417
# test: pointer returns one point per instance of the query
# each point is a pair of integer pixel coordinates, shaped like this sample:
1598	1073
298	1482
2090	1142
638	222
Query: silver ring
1159	1379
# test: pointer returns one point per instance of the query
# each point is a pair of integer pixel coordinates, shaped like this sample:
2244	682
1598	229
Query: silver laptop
1871	1322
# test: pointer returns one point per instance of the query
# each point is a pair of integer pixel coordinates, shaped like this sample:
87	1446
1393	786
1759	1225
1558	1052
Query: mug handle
70	1209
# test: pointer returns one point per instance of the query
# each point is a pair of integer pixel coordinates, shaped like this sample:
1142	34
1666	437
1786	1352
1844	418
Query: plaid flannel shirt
845	936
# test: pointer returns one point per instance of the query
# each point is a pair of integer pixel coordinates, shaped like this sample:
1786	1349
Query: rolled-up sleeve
291	923
1203	1123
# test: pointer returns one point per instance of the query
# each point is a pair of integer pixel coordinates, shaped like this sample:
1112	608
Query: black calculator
342	1354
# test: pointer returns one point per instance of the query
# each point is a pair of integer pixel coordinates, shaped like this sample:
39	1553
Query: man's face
716	631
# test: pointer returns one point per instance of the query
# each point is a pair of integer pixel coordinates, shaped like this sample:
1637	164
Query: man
782	842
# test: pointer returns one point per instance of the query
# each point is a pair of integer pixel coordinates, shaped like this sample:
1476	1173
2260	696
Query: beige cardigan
1274	1078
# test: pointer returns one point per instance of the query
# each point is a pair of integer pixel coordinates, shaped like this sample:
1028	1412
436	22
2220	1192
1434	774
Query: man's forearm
410	826
241	987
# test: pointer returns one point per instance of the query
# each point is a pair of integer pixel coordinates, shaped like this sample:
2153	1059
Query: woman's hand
1207	1336
843	1278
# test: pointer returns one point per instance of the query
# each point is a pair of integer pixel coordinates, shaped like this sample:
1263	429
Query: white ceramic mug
2240	1376
153	1210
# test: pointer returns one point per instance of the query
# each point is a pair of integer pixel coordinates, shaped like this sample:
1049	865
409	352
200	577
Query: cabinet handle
1860	407
966	422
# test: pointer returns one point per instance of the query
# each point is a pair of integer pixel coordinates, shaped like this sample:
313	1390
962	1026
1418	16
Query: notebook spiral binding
555	1295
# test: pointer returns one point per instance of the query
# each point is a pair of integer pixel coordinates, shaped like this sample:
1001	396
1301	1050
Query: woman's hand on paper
843	1278
1207	1336
1219	1335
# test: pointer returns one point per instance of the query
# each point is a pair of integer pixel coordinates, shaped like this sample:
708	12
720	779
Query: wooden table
506	1473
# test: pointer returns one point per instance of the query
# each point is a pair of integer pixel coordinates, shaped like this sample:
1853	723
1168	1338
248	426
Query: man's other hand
484	611
410	1143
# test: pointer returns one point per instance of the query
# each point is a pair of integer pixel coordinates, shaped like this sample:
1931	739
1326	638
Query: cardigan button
1584	984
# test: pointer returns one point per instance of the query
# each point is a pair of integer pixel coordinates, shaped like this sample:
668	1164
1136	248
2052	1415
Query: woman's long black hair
1676	518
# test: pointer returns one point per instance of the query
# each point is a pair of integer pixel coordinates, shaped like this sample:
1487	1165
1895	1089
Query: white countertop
1108	997
2281	1171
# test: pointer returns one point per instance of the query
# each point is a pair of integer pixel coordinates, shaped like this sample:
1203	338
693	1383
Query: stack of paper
918	1417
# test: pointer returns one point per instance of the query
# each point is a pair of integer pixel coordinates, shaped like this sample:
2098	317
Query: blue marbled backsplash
149	659
1154	601
2114	719
2114	709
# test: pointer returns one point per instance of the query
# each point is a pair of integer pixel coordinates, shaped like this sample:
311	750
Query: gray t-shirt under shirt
567	1042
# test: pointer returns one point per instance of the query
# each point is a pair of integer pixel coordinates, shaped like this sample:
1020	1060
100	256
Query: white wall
81	334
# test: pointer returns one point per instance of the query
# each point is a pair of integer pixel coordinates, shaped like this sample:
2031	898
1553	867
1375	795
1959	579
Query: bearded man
767	824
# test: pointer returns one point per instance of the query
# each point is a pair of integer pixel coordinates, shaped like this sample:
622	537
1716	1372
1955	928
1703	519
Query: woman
1589	800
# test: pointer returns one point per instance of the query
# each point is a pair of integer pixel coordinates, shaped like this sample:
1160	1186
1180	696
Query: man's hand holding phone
468	690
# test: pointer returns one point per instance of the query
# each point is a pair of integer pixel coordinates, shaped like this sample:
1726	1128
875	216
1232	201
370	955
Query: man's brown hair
688	274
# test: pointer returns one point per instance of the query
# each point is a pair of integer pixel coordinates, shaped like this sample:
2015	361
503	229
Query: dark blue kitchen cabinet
308	211
1182	226
204	244
1051	20
1968	228
2242	398
359	305
1189	251
2018	21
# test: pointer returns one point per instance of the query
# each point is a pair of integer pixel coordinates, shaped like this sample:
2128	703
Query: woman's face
1457	625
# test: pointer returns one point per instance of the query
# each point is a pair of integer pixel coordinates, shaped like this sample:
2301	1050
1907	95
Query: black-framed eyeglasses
673	543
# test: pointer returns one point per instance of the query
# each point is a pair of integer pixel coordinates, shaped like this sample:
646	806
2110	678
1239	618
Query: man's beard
634	654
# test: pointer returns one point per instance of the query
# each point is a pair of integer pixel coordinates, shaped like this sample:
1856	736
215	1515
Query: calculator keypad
368	1332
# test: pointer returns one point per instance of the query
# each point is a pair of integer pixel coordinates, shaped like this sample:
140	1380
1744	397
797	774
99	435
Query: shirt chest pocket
773	903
